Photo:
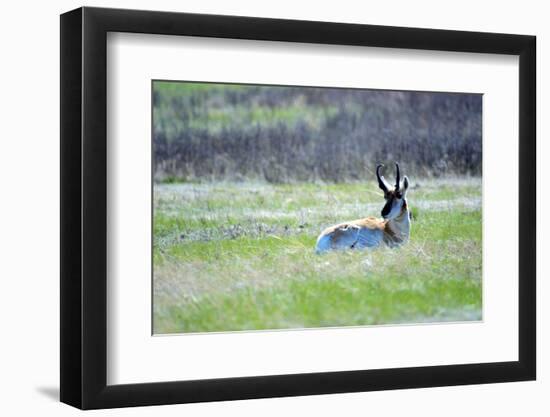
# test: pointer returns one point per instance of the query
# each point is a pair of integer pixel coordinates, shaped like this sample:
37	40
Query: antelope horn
381	181
398	179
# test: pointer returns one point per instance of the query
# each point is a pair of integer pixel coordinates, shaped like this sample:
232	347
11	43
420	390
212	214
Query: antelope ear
405	184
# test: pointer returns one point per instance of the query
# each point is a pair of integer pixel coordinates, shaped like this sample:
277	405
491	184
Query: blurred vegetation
240	256
208	132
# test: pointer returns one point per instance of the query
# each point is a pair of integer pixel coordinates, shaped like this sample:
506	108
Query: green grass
175	90
211	116
240	256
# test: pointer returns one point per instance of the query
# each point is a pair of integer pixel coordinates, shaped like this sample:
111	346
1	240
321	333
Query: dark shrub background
207	132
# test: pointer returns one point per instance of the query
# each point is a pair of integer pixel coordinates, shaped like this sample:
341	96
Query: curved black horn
381	183
397	179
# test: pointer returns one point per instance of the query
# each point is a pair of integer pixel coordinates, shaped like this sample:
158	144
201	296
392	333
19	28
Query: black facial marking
387	207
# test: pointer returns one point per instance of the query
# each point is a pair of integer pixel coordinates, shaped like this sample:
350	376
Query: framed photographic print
257	207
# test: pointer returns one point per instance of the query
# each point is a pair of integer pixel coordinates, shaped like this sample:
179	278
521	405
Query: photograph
297	207
268	206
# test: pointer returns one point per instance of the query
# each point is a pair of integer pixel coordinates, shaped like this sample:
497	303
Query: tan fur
346	234
392	234
368	222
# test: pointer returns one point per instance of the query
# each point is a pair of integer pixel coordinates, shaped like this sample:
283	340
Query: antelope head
396	202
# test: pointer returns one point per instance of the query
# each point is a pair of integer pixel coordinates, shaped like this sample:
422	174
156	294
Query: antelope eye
398	195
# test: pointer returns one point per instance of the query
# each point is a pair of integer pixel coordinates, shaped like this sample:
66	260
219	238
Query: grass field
240	256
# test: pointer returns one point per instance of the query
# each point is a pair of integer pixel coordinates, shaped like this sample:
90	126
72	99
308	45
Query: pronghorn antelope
392	230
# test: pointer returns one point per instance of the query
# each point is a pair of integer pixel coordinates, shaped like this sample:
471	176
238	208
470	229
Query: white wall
29	173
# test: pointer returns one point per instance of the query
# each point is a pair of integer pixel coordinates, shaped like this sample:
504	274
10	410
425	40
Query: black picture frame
84	207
